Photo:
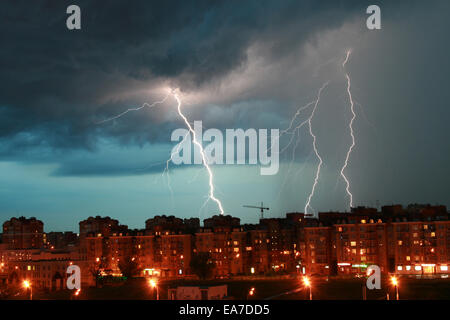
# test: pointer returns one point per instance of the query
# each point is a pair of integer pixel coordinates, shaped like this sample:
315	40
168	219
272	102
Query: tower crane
261	208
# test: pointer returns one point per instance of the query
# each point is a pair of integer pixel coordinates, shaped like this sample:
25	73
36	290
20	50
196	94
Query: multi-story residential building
414	240
421	247
23	233
224	239
60	240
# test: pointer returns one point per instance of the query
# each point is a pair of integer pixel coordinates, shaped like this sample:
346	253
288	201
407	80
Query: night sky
237	64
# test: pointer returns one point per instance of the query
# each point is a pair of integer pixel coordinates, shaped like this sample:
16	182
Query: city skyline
412	207
251	68
399	242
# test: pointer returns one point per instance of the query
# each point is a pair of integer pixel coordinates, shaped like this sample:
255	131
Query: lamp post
251	293
27	285
76	294
307	284
154	285
395	284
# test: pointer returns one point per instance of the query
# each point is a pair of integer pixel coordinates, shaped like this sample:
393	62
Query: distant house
198	293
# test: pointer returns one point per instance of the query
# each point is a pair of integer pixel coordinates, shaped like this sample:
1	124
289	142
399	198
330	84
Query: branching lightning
314	144
351	130
202	153
211	194
294	130
144	105
166	169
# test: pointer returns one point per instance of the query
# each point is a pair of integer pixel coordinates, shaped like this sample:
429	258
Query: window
353	243
399	268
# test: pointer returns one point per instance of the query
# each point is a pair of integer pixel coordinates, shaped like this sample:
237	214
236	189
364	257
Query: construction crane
261	208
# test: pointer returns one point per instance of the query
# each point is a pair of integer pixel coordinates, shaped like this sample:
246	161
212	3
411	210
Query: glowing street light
307	284
27	285
395	284
154	284
251	292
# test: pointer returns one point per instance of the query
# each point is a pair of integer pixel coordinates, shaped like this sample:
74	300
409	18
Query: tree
129	267
96	273
201	265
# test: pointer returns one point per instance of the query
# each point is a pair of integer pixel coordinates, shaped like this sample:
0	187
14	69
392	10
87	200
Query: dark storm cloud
55	83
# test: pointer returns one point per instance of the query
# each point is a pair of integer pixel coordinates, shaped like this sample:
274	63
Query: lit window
408	258
400	242
433	234
353	243
417	268
399	268
444	268
408	268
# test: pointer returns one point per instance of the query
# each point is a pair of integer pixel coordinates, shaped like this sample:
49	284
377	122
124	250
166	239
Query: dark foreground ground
322	288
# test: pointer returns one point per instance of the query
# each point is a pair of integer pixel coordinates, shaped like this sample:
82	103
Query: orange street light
251	292
154	284
306	281
307	284
27	285
395	284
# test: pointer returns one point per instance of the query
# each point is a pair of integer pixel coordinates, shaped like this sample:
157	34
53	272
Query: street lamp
27	285
307	284
395	284
251	292
154	285
76	293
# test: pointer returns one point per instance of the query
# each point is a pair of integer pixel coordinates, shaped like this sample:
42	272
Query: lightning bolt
177	148
347	188
314	144
294	130
202	153
144	105
166	169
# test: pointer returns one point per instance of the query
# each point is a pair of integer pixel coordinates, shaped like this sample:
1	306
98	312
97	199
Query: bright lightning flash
351	129
314	144
203	155
177	148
